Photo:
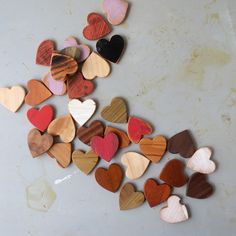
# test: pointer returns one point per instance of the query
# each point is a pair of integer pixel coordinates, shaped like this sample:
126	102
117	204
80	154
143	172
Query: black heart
111	50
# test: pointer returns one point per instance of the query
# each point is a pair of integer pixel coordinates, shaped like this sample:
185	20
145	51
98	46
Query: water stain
226	119
213	18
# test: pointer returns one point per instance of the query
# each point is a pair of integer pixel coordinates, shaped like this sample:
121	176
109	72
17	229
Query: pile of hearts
72	70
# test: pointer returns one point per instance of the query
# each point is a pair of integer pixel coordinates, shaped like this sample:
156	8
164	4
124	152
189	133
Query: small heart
138	128
95	66
116	10
37	94
62	153
39	144
129	198
136	164
173	173
44	52
73	52
78	87
62	65
110	179
85	161
156	193
64	127
111	50
198	187
105	147
40	118
153	149
182	143
81	111
85	134
200	161
97	27
175	212
12	98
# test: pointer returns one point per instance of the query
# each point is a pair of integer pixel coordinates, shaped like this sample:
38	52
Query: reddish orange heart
44	53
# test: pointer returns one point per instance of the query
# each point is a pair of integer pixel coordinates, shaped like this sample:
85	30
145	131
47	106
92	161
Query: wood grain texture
111	178
173	173
95	66
129	198
85	161
62	153
72	51
85	134
61	66
12	98
44	52
153	149
37	93
64	127
116	112
136	164
37	143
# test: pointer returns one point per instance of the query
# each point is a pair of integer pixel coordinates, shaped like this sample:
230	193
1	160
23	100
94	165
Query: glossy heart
44	52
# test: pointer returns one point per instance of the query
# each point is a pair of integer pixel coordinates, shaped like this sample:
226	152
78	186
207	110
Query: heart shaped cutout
72	51
44	52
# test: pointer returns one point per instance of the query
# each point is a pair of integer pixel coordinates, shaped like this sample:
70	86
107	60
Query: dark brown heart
198	187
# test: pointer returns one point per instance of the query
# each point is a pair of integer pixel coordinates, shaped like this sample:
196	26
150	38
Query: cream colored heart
200	161
95	66
12	98
175	212
81	111
136	164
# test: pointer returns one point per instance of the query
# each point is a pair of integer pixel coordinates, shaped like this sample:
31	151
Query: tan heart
64	127
12	98
85	161
95	66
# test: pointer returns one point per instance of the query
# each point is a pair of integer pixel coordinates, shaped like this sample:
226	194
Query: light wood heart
62	153
200	161
175	212
85	161
12	98
136	164
129	198
81	111
95	66
64	127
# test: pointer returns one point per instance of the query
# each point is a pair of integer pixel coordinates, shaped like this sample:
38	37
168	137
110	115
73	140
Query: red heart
78	87
105	147
44	53
97	27
40	118
137	128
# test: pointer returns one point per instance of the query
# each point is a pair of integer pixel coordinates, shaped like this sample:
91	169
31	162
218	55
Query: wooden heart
85	161
78	87
116	112
61	66
116	10
85	134
81	111
44	52
129	198
95	66
72	51
64	127
198	187
156	193
173	173
105	147
62	153
12	98
138	128
136	164
182	143
175	212
40	118
37	94
153	149
39	144
110	179
200	161
122	136
97	27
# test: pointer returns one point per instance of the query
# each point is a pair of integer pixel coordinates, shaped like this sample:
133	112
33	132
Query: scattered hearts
44	52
